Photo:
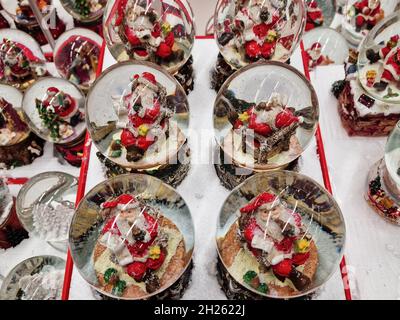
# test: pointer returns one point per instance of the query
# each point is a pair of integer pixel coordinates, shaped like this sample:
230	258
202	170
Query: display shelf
202	189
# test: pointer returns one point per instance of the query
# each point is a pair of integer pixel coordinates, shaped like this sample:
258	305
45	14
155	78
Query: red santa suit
313	59
314	15
392	67
392	43
367	11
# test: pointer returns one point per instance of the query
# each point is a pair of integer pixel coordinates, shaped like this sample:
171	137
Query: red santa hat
123	199
147	79
313	4
264	198
316	45
52	91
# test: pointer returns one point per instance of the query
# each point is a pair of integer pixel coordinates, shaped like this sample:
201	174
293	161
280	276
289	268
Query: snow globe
76	56
21	59
138	116
325	46
25	20
249	31
320	13
279	235
265	116
132	237
11	231
18	145
162	33
54	109
36	278
369	96
361	16
383	189
45	206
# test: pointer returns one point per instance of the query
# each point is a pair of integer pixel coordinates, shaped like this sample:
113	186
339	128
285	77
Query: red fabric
258	202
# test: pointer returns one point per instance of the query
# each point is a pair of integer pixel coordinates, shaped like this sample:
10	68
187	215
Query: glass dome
45	206
54	109
325	46
37	278
379	61
156	31
21	58
320	13
13	128
137	115
6	202
392	155
280	235
21	11
361	16
247	31
265	116
132	237
77	54
85	10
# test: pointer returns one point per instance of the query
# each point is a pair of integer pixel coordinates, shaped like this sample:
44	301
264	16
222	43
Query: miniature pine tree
82	7
50	120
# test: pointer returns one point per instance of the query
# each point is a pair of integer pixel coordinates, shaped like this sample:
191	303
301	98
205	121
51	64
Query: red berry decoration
284	268
285	119
261	30
300	258
136	270
164	50
253	50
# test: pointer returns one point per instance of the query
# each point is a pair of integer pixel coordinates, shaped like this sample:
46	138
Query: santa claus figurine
275	236
315	56
131	236
367	14
315	17
391	73
142	117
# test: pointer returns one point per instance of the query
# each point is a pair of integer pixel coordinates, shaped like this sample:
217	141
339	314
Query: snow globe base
11	231
22	153
38	34
231	176
185	76
174	292
96	26
73	152
382	193
221	72
235	291
172	174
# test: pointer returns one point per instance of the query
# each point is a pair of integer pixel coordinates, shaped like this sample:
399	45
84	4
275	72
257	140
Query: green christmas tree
50	120
82	7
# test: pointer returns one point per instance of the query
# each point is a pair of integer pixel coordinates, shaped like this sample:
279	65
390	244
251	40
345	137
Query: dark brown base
172	174
235	291
174	292
72	153
380	194
21	154
185	76
232	176
38	34
370	126
11	231
221	72
96	26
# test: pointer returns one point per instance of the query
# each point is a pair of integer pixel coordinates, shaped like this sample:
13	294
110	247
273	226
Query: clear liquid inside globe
248	31
157	31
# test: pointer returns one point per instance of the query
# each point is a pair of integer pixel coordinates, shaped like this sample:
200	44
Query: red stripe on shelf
210	36
325	173
16	181
69	267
